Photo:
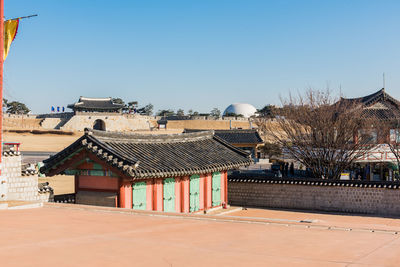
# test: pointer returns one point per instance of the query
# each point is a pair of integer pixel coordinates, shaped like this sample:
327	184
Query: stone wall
53	123
23	188
10	172
19	185
341	197
209	124
21	122
112	122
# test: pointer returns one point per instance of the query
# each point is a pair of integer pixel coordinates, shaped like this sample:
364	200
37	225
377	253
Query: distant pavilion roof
236	136
153	156
377	105
92	104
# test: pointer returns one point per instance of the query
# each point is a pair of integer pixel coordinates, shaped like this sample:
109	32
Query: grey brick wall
378	201
18	187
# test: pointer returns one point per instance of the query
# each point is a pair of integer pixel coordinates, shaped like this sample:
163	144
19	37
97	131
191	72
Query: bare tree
320	131
216	113
392	130
271	150
180	112
395	149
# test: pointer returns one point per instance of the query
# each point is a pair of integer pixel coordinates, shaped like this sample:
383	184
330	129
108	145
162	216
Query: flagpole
1	77
25	17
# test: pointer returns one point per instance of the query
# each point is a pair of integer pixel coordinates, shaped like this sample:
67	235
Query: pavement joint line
229	211
356	261
202	217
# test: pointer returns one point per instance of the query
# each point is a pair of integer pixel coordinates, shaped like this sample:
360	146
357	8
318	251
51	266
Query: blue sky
199	54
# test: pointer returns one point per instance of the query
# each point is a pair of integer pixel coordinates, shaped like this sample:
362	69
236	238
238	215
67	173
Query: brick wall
368	200
17	186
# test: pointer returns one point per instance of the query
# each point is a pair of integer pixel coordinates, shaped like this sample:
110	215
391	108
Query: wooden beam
76	158
108	166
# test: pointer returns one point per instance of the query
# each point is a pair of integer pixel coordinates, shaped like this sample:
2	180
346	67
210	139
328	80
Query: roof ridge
225	143
95	98
149	137
367	96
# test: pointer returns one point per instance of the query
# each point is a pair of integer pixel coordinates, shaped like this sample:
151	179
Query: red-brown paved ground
53	236
323	219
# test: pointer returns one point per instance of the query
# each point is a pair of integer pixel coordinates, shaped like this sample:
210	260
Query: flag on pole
10	31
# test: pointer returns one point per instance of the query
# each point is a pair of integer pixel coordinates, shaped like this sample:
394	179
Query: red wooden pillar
76	183
149	194
208	193
158	194
1	77
185	194
178	197
226	187
125	195
202	192
222	187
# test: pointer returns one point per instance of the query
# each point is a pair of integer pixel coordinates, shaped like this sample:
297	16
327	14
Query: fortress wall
21	122
208	124
51	123
112	123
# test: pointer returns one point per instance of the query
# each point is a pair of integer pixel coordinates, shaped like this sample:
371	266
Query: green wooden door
194	193
139	196
169	194
216	189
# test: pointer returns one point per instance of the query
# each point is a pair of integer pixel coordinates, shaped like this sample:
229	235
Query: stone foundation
106	199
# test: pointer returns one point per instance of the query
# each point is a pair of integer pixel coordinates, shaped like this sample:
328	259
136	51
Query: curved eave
131	167
100	150
142	174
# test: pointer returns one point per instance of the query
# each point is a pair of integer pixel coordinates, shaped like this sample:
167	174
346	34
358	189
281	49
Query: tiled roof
95	103
236	136
153	156
377	105
44	187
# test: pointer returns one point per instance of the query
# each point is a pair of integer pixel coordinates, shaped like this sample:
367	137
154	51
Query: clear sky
199	54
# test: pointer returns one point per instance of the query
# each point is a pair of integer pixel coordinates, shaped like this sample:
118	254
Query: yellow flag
10	31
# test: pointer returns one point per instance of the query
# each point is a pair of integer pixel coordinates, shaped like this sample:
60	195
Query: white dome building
244	109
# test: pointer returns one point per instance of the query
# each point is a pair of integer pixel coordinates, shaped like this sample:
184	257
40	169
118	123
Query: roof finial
383	88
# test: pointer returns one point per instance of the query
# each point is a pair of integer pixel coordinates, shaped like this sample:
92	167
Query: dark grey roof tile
158	155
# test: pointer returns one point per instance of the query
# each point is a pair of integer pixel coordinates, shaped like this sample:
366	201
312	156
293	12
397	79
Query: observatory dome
244	109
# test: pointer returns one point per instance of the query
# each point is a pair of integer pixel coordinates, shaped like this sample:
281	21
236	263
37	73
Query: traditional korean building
379	105
380	162
246	139
173	173
95	105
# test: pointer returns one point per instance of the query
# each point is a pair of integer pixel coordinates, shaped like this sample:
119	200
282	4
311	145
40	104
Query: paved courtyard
73	235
